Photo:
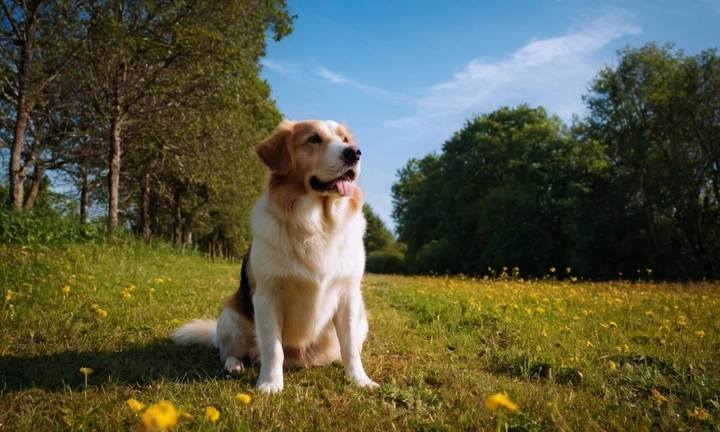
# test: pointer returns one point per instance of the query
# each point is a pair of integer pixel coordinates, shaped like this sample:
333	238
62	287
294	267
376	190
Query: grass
573	355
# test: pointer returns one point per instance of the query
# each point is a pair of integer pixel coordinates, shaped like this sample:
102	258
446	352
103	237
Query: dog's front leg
347	324
269	336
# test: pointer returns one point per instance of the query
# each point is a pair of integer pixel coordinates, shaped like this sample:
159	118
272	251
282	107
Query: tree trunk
84	195
177	218
38	174
114	186
145	208
24	107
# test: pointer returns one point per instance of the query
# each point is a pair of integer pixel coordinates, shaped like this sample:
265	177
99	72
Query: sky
404	75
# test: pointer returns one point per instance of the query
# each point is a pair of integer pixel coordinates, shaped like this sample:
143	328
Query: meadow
571	354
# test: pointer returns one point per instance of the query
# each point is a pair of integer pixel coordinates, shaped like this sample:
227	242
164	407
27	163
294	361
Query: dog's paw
365	382
233	365
269	387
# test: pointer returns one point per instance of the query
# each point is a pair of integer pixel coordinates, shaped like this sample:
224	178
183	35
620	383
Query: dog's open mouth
344	185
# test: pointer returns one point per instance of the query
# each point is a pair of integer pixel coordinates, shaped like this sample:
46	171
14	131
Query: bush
386	261
48	228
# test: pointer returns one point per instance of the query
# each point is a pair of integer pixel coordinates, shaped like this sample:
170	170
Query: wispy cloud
550	72
280	67
340	79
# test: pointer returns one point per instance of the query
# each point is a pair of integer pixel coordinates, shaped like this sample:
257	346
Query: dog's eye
315	139
345	139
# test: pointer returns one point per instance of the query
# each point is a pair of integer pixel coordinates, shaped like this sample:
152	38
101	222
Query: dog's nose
351	154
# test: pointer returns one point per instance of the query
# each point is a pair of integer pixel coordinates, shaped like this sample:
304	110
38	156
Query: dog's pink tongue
345	187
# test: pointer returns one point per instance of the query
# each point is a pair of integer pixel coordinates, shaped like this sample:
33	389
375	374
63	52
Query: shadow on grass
135	366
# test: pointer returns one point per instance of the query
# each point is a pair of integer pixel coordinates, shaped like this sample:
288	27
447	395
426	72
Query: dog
299	303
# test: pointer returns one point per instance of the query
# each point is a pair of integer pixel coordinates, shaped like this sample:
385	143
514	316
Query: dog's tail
198	331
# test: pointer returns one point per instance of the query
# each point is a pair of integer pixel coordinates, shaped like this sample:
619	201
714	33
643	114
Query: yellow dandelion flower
242	397
649	271
130	288
66	289
126	294
135	405
159	416
152	290
528	311
552	269
494	402
539	310
568	269
86	371
658	396
212	414
101	312
700	414
11	307
626	348
700	334
8	296
611	365
613	324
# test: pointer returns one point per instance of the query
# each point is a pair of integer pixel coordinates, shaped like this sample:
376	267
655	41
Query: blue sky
404	75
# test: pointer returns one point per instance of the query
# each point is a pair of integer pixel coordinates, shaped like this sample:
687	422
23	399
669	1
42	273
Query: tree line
631	187
147	109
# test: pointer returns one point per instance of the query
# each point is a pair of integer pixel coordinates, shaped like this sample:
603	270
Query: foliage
632	186
383	253
161	102
657	112
572	355
502	191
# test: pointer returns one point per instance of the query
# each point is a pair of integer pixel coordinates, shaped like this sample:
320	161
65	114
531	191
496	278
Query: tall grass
573	355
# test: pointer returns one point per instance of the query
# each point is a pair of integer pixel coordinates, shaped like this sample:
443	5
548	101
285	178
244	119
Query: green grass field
623	355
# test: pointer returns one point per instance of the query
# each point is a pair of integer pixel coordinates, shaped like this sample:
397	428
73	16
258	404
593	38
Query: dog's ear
276	150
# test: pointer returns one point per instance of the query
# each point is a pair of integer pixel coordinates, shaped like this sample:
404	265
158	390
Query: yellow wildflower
152	290
626	348
611	365
159	416
86	371
66	289
568	269
700	414
91	278
130	288
242	397
658	396
493	402
700	334
126	294
552	269
135	405
212	414
8	296
101	312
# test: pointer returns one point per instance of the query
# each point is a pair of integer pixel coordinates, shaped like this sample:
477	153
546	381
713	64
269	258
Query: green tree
503	192
658	113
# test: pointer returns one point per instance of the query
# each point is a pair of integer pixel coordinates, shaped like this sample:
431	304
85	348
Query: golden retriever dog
299	302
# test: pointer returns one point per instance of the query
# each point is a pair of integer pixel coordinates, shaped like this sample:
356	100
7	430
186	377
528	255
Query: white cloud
340	79
551	72
280	67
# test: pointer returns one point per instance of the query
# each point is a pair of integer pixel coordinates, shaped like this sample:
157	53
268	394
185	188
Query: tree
501	193
658	113
39	41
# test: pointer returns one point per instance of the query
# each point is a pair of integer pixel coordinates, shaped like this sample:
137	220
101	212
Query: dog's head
320	155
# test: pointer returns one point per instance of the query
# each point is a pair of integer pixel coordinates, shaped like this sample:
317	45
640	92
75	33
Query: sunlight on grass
574	355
